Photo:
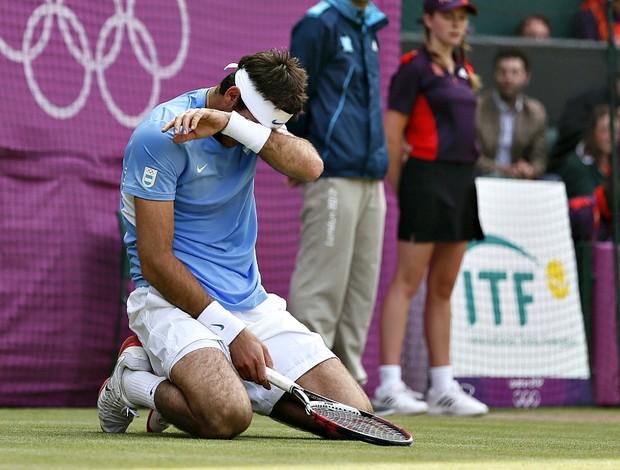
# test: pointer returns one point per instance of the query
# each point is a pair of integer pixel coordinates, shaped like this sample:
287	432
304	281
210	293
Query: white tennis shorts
168	334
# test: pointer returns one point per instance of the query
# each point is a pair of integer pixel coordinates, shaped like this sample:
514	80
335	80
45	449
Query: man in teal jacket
334	285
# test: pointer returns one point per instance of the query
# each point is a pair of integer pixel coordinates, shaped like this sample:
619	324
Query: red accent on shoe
148	422
130	341
105	382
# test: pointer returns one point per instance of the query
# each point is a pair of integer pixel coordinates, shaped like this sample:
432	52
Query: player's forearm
179	286
293	156
160	267
176	283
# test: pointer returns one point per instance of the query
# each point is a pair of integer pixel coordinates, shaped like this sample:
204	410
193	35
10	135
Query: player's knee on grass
223	412
224	420
212	399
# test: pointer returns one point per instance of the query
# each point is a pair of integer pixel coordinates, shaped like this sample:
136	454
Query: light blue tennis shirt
212	186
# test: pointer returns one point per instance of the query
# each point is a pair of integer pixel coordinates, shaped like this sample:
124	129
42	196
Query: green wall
501	17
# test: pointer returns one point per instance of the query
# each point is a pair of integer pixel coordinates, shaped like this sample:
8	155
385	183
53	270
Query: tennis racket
346	420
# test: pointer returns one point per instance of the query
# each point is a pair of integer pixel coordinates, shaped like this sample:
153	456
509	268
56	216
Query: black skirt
438	202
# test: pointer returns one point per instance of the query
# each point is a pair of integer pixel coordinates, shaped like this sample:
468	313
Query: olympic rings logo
122	19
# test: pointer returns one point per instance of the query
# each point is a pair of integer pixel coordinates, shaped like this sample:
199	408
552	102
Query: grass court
551	438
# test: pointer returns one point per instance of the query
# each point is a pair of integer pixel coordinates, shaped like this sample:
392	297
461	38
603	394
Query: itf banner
517	334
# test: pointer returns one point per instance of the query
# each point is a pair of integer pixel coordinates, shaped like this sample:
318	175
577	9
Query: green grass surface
564	439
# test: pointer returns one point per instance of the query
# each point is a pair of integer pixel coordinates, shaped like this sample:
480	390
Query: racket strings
368	425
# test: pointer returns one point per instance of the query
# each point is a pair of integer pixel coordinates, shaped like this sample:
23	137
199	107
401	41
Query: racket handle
279	380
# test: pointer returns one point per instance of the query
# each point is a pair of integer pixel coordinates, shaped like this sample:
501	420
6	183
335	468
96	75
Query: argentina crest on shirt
148	177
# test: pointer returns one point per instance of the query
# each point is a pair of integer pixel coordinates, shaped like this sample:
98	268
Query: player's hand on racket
196	123
250	358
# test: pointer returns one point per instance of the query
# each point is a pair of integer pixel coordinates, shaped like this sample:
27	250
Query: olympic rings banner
79	75
90	70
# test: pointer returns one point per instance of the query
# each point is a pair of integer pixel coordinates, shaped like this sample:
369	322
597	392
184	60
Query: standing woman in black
431	137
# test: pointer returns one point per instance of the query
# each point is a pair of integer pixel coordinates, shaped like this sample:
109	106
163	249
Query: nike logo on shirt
200	168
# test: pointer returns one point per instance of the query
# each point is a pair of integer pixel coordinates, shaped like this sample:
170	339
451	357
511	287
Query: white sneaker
400	398
380	409
454	402
156	422
116	412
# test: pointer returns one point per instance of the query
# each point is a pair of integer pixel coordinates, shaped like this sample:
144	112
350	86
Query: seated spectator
510	125
585	173
535	26
573	120
591	20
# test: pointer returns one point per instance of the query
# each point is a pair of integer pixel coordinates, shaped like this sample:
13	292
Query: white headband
263	110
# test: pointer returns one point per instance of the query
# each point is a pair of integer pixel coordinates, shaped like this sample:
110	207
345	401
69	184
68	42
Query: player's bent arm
289	154
293	156
160	267
166	273
196	123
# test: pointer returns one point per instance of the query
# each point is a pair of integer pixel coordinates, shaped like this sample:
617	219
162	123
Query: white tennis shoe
455	402
400	398
380	409
116	412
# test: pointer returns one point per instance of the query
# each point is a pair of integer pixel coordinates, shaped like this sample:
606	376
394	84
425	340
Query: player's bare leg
206	396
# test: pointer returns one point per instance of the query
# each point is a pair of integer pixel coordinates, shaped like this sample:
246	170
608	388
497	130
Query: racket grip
279	380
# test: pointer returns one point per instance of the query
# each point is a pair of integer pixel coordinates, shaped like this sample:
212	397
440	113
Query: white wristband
221	322
250	134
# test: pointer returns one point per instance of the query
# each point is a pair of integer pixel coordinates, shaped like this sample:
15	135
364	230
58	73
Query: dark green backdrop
561	67
501	17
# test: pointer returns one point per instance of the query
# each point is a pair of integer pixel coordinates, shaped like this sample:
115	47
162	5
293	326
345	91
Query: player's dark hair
279	78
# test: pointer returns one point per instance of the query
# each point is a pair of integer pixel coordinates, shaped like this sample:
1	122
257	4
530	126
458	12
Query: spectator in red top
591	21
431	139
585	172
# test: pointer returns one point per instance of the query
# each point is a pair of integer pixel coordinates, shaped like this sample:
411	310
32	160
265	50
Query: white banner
516	307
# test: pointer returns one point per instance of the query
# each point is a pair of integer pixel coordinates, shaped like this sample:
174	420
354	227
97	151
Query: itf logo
511	286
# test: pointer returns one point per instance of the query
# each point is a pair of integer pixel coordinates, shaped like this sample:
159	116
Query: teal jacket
338	46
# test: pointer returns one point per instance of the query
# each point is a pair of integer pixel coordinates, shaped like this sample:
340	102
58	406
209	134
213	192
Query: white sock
441	378
139	387
389	374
